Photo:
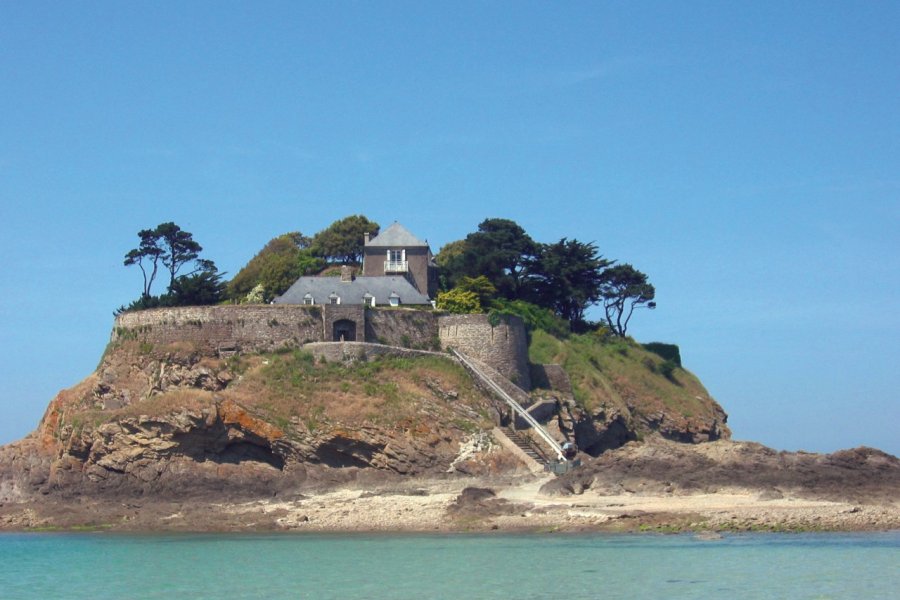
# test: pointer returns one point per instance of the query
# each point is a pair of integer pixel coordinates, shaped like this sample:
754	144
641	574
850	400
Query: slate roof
395	236
352	292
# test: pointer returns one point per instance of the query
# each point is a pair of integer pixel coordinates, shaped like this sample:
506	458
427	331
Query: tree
179	249
150	251
197	289
567	277
450	262
343	240
501	251
174	248
483	289
281	261
623	288
170	245
458	301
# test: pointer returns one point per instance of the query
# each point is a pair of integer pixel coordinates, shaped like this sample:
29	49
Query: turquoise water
568	567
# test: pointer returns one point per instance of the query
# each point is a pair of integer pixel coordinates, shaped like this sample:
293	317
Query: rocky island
265	433
349	401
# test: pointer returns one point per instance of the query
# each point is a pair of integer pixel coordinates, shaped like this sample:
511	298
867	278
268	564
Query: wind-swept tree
567	277
146	256
623	288
173	248
179	249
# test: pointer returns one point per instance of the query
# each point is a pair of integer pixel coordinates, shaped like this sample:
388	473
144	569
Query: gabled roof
352	292
396	236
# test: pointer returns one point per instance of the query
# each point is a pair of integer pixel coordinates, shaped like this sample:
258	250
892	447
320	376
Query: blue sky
746	156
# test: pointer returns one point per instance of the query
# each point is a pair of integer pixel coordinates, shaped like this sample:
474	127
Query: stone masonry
264	328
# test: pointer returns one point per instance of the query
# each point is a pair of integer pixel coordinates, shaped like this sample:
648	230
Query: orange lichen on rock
232	413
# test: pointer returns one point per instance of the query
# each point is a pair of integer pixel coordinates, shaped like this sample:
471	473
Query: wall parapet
249	328
269	327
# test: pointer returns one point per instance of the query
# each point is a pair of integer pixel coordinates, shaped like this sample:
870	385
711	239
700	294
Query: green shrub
665	351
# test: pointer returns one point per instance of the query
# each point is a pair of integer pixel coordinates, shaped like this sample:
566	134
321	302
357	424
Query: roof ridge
396	235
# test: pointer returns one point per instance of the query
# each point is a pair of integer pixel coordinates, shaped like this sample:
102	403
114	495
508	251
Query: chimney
366	238
346	274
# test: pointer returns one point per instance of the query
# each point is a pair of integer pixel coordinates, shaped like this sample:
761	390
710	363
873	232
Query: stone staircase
524	443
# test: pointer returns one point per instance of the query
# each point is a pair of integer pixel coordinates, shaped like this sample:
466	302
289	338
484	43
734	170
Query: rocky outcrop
177	420
658	466
176	423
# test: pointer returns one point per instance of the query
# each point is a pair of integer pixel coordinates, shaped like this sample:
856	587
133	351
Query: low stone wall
351	351
247	328
503	346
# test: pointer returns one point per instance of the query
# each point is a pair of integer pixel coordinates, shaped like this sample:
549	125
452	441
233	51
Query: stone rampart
247	328
503	345
265	328
403	327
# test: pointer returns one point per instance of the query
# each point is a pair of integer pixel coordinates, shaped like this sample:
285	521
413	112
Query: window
369	300
308	299
395	299
334	298
396	262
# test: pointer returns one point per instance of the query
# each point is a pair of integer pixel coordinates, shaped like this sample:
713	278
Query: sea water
568	567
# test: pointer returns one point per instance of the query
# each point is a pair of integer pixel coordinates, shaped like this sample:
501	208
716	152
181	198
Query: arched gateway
344	330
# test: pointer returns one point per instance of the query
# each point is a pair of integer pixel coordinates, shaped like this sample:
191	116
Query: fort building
389	304
398	269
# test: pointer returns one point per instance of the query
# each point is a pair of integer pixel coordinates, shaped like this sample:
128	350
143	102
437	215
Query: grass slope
614	374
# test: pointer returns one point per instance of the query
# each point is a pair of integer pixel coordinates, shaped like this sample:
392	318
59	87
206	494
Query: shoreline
458	506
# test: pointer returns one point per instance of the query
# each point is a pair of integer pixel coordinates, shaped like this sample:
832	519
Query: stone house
398	269
397	252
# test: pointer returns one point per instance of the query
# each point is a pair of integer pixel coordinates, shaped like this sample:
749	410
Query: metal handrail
542	433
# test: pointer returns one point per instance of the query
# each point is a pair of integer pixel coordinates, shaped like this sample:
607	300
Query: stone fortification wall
403	327
264	328
503	346
248	328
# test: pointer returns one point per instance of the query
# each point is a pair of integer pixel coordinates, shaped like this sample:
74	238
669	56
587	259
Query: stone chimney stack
346	274
366	238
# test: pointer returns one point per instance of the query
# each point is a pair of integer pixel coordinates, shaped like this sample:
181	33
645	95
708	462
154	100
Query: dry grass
387	391
619	373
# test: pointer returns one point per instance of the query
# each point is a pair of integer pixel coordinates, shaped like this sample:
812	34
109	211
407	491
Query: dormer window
394	299
369	300
308	299
334	299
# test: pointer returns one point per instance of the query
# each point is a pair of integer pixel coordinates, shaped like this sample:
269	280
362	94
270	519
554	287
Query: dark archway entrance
344	331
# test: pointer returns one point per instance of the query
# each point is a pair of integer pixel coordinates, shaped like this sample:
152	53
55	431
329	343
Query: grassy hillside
291	390
615	375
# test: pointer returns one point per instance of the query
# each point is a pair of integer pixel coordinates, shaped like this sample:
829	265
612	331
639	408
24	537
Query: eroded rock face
175	422
603	429
662	466
167	424
197	451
